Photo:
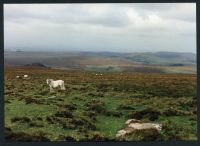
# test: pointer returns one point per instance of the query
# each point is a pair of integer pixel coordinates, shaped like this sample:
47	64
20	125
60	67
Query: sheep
25	76
54	84
17	77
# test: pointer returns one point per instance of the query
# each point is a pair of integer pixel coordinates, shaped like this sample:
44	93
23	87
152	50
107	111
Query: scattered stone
121	133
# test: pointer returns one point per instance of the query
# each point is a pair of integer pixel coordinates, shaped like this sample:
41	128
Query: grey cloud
69	15
122	27
184	11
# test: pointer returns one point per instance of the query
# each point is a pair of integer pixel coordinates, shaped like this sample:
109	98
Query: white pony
54	84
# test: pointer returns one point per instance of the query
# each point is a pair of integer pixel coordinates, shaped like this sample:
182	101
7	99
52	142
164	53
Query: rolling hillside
159	62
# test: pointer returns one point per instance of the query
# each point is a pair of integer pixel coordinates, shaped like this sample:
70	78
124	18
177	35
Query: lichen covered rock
133	126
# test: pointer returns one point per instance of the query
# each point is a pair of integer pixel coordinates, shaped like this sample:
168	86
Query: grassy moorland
95	107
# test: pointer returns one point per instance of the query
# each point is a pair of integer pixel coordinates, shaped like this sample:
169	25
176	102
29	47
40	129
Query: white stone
132	125
121	133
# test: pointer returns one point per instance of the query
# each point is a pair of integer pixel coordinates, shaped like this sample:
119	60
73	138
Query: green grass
19	108
110	125
110	101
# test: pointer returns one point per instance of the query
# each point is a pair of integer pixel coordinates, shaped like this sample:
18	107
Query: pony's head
49	81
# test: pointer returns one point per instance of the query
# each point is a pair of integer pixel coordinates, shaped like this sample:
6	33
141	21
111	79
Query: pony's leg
51	89
62	87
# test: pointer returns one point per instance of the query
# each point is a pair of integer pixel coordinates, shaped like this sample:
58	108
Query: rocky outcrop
133	125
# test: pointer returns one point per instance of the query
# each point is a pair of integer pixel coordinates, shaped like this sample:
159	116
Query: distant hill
162	58
36	65
158	62
158	58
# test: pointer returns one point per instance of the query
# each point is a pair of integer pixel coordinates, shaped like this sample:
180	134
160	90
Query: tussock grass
94	109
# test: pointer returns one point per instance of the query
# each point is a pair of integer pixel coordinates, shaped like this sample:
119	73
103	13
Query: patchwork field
94	107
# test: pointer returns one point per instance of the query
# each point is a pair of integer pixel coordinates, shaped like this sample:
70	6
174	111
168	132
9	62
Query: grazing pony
54	84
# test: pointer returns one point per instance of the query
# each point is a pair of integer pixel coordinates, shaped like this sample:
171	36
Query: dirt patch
126	107
69	138
96	105
80	122
69	107
175	112
96	137
34	101
114	113
64	114
21	119
91	114
21	136
35	124
149	113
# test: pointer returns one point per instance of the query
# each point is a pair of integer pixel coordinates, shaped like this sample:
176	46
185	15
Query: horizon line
6	50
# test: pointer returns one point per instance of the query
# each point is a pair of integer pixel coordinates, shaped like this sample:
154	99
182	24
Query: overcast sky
100	27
